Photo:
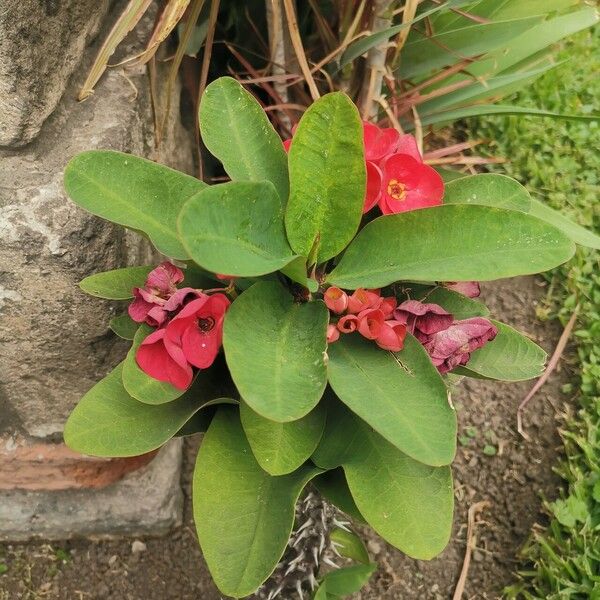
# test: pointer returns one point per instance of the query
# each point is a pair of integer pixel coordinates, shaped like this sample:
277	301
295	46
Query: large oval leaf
117	284
401	395
488	189
281	448
460	306
109	422
236	228
327	178
243	515
510	356
408	503
275	349
138	384
237	131
450	243
133	192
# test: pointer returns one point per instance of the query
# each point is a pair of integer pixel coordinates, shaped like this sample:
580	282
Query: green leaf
488	189
401	395
349	545
236	228
423	54
133	192
457	304
347	580
281	448
327	178
450	243
142	387
333	486
509	357
237	131
477	110
296	271
275	350
243	515
124	326
408	503
575	232
109	422
117	284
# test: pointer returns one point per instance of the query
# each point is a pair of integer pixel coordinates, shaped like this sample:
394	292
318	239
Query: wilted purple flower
423	319
453	346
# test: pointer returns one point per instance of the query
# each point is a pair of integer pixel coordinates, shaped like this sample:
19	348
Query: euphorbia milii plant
334	340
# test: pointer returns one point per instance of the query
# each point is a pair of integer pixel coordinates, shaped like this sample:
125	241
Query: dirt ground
493	464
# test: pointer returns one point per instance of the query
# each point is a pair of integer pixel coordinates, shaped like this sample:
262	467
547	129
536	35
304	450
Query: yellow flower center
396	190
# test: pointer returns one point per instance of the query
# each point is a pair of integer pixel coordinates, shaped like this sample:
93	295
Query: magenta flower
453	346
198	329
470	289
423	319
160	358
151	303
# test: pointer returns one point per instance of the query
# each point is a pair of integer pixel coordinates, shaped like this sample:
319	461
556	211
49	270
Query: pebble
477	556
113	559
374	547
138	547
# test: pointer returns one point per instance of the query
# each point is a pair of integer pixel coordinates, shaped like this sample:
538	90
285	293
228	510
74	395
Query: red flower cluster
397	178
368	313
448	342
190	326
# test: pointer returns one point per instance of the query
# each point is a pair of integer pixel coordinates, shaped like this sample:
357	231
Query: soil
512	480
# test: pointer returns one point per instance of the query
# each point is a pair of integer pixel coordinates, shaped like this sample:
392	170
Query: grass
559	161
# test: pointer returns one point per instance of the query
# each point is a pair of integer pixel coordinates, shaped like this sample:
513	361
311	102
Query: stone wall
54	341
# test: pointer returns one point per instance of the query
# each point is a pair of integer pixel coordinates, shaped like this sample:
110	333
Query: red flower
348	323
408	184
391	336
370	322
198	329
362	299
373	193
379	142
152	302
423	318
336	300
160	358
333	333
453	346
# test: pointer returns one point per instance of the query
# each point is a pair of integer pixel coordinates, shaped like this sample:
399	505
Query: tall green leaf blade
138	384
275	349
133	192
117	284
236	228
488	189
423	54
575	232
450	243
109	422
327	178
509	357
237	131
243	515
401	395
281	448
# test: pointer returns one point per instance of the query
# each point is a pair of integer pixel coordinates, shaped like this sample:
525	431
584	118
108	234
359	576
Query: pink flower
408	184
336	300
388	305
333	333
423	318
370	322
160	358
348	323
198	329
391	336
470	289
373	192
453	346
362	299
407	144
150	302
379	142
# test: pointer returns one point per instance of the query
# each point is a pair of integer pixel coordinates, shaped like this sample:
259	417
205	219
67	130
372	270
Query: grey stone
41	44
149	501
54	340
